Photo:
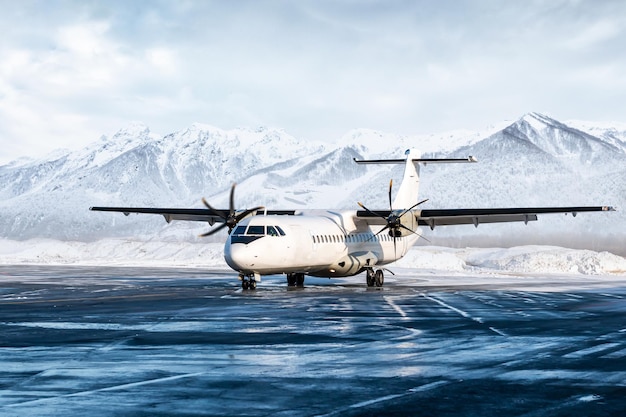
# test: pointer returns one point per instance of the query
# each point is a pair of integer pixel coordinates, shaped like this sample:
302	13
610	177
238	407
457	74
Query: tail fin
407	195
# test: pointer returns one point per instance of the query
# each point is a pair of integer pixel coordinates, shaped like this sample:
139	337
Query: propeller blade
394	222
382	230
232	199
213	231
212	210
412	207
414	232
379	232
232	218
245	213
370	211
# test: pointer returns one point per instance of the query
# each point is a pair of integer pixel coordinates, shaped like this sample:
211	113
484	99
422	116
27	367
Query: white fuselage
324	243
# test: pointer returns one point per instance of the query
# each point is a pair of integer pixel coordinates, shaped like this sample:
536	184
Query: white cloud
163	59
85	40
72	71
594	34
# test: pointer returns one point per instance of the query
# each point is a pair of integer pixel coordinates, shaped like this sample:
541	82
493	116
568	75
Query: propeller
394	219
232	218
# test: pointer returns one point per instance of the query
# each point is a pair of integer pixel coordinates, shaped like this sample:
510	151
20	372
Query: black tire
380	278
245	284
370	277
291	280
300	280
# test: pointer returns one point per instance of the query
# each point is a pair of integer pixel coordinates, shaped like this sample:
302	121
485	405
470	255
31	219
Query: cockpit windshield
258	231
255	230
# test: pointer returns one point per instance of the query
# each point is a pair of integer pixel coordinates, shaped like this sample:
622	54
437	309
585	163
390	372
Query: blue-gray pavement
157	342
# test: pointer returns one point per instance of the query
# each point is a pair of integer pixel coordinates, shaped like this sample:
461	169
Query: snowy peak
334	167
565	143
375	142
532	157
613	133
133	131
539	121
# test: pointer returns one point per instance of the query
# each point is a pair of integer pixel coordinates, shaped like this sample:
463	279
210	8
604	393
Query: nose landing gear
248	282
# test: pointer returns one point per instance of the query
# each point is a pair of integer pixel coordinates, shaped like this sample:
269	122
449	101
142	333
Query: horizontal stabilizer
417	160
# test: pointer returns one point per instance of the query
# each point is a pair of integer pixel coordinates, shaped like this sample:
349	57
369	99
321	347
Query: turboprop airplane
337	243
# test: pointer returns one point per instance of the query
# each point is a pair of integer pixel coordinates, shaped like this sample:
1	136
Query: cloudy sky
71	71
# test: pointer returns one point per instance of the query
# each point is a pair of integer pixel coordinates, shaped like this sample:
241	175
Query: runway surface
156	342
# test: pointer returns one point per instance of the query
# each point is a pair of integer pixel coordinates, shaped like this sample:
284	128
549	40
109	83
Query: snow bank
433	257
122	252
522	259
117	252
547	259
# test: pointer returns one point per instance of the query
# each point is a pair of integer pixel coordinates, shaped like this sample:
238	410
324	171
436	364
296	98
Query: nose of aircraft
238	256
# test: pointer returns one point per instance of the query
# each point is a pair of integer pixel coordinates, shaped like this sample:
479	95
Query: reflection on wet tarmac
137	342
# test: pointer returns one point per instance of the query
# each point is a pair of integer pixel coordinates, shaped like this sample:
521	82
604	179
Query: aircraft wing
189	214
448	217
430	218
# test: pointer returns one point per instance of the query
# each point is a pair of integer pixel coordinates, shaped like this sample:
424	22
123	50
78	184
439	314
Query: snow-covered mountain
533	161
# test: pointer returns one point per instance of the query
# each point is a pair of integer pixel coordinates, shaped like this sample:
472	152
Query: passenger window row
359	237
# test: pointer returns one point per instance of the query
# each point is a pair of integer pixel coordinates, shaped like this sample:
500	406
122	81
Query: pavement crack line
396	307
567	403
106	389
462	313
363	404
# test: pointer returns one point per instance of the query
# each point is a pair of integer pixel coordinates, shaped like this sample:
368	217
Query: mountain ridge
520	164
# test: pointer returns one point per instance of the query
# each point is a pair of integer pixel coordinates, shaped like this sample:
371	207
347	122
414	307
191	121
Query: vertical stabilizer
406	196
409	188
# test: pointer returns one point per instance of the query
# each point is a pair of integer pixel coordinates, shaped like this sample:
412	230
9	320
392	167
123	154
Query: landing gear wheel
252	285
380	278
370	277
300	280
291	280
245	284
295	279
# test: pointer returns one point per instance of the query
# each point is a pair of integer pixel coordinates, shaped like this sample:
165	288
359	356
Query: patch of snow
113	252
547	259
590	398
124	252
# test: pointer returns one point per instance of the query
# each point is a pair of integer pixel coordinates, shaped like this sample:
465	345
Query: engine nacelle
402	223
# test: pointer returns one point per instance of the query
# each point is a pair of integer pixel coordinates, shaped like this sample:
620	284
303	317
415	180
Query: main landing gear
295	279
248	282
374	278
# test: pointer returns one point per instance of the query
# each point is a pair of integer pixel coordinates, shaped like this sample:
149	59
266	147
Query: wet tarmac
156	342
